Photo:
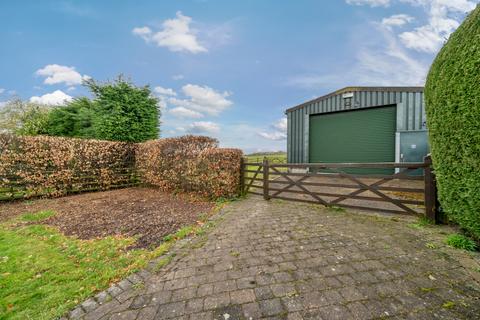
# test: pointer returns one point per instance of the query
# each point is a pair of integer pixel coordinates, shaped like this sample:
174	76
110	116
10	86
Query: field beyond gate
335	184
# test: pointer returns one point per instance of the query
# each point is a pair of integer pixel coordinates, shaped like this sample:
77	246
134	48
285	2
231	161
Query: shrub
461	242
452	95
55	166
190	163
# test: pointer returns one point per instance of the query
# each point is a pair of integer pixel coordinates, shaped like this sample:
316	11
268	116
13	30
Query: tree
123	111
73	120
24	118
452	95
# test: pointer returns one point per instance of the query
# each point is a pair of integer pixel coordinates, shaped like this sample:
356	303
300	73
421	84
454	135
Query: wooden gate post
242	177
430	191
266	170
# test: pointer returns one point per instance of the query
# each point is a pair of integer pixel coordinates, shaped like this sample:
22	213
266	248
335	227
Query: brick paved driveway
279	260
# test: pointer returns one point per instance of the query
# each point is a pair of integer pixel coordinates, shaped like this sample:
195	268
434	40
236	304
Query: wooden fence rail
338	184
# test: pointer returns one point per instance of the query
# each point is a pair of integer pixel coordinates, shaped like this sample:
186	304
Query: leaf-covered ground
144	213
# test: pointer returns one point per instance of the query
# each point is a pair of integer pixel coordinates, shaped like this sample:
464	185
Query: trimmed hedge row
41	165
53	166
190	163
452	95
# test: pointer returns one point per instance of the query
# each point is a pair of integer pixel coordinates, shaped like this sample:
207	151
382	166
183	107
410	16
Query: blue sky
227	69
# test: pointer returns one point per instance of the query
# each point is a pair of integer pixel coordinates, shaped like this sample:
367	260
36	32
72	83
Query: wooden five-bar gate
398	188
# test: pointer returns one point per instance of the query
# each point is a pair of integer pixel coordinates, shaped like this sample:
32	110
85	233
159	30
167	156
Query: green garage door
364	135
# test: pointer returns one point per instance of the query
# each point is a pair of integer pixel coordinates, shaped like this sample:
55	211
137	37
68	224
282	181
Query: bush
41	165
452	95
53	166
461	242
190	163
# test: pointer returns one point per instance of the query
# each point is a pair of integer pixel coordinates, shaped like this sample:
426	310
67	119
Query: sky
227	69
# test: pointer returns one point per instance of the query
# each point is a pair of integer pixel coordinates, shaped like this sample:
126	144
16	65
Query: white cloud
182	112
176	35
203	127
162	103
397	20
383	57
55	74
143	32
203	99
442	21
275	135
379	61
278	132
57	97
164	91
281	125
178	77
2	90
372	3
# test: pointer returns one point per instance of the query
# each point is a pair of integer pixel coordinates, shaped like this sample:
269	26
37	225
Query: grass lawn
43	273
273	158
258	158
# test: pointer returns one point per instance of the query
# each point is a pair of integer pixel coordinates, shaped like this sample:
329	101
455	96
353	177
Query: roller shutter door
362	135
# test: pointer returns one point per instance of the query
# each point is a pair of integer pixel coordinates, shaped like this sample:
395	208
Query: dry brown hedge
190	163
40	165
53	166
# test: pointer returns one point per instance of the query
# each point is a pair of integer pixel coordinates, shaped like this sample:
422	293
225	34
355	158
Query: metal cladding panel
410	114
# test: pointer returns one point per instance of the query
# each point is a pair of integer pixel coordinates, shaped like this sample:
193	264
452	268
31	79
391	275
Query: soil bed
145	213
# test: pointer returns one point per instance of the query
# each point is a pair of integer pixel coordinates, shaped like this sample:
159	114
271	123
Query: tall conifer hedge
452	95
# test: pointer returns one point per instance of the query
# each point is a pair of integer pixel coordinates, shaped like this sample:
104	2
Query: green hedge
452	95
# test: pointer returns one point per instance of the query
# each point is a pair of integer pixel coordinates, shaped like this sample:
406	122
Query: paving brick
76	313
125	284
271	307
335	312
205	290
184	294
245	283
263	293
161	297
171	310
207	315
125	315
89	305
251	310
283	289
140	301
223	286
147	313
217	301
242	296
194	305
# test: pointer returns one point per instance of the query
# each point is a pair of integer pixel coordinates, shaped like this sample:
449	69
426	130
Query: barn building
359	124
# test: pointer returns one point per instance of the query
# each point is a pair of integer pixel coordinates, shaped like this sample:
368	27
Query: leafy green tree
24	118
123	111
73	120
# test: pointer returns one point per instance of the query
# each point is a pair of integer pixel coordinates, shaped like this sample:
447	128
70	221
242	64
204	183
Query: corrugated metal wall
410	115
